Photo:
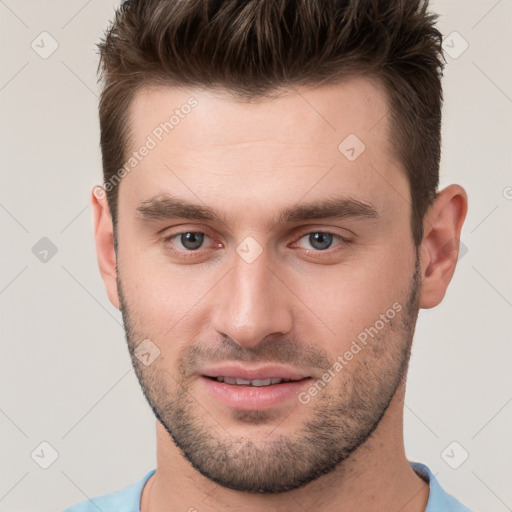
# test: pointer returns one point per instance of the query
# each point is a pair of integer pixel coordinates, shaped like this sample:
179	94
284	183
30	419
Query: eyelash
189	254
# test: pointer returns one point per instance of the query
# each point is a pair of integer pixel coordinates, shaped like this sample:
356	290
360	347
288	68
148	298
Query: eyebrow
167	207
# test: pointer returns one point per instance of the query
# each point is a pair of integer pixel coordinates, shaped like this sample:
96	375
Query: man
269	227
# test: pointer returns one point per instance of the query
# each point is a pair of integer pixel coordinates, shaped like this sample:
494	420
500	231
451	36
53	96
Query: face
255	241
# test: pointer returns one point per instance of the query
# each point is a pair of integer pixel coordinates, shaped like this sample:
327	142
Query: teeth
254	382
265	382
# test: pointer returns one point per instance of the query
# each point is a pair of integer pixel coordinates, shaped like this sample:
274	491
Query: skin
294	304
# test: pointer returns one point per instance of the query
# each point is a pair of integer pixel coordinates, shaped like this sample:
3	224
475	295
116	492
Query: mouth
244	388
234	381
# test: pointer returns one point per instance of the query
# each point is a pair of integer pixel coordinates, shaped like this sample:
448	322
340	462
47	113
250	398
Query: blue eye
321	240
193	244
324	240
188	245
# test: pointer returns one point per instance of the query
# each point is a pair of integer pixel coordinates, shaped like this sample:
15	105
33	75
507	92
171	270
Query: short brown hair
252	48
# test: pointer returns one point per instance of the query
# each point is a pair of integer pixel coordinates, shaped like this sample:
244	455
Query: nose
252	303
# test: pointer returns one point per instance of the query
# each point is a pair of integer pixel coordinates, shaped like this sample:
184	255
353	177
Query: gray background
66	377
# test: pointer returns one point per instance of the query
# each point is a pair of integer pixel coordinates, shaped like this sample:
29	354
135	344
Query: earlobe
441	242
104	237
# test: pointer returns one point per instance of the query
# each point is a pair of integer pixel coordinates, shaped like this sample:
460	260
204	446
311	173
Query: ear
104	236
439	249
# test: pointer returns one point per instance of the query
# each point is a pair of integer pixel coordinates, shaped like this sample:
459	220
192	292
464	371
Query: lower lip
248	398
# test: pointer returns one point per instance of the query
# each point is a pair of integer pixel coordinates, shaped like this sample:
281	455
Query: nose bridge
253	303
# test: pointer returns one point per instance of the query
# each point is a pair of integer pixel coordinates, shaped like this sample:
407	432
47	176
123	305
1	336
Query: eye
189	240
322	240
191	244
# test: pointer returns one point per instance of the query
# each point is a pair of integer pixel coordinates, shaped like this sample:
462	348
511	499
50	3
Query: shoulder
125	500
439	500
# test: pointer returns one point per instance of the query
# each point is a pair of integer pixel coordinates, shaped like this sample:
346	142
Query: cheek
154	292
167	301
349	298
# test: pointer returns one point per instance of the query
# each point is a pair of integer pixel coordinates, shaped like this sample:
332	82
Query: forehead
305	140
298	115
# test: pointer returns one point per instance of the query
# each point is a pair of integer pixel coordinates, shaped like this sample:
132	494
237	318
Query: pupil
192	240
320	240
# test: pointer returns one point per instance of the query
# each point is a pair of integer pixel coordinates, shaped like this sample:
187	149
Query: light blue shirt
128	499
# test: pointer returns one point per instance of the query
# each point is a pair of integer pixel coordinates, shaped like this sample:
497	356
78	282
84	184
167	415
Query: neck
377	476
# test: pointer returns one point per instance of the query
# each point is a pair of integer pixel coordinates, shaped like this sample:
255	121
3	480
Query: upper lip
258	373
